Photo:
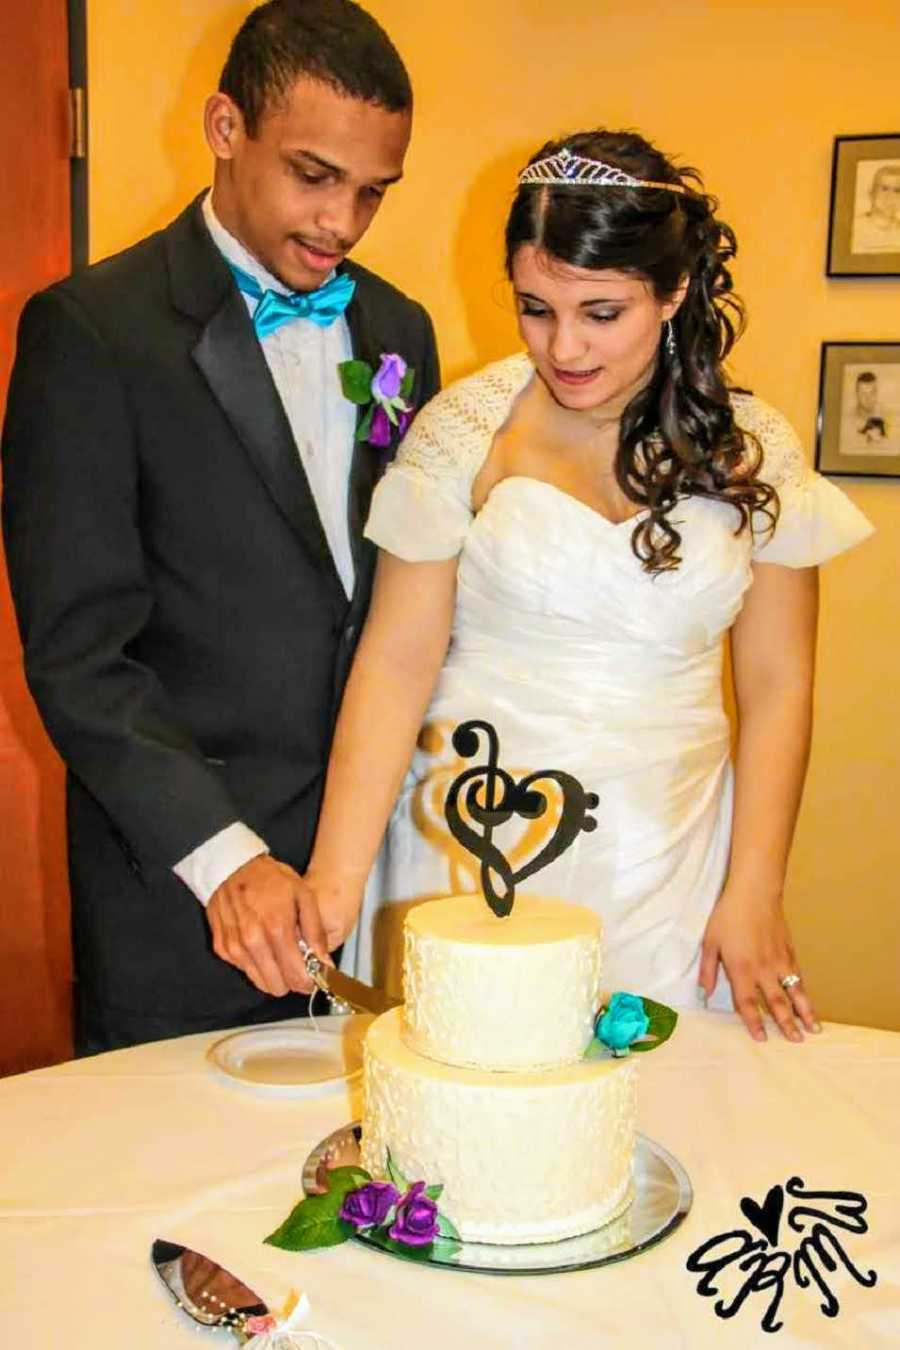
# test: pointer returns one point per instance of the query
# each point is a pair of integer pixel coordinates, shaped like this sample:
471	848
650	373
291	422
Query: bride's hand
750	937
339	904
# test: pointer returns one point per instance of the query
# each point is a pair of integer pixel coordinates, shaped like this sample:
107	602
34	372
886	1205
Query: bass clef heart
767	1216
492	797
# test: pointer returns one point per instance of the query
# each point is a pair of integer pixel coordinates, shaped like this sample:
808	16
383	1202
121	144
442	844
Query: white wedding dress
583	662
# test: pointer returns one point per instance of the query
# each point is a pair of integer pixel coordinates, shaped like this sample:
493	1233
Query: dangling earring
671	347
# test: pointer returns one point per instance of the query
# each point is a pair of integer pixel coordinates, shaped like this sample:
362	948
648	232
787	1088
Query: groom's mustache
322	245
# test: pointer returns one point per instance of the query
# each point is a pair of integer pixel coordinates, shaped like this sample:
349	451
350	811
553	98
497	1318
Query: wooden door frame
36	970
78	78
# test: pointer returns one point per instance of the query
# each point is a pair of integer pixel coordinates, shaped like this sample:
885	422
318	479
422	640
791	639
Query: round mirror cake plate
662	1198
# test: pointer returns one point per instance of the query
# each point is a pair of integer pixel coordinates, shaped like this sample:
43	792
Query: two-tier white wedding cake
479	1083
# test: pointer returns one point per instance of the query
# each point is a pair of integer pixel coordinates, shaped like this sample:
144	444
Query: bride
566	537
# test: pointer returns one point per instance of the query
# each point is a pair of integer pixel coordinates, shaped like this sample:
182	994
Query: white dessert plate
292	1059
662	1197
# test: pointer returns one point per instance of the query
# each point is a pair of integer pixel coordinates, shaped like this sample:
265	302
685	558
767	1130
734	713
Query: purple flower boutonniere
383	393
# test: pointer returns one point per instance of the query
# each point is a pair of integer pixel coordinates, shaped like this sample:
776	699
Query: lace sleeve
422	508
816	520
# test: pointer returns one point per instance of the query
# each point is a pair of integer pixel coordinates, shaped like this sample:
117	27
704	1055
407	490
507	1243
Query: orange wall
751	93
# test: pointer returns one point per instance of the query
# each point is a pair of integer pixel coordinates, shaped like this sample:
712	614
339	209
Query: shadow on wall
477	260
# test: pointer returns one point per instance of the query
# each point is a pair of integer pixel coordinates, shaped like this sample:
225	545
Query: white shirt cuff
213	862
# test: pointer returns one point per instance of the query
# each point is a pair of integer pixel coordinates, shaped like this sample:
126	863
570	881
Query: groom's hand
258	916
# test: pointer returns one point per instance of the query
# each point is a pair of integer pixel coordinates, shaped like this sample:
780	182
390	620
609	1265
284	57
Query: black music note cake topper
492	797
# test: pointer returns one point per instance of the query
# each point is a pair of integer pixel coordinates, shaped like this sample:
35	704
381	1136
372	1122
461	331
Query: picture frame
858	430
864	213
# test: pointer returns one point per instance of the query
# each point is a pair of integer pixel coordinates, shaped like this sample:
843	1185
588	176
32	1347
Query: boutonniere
383	393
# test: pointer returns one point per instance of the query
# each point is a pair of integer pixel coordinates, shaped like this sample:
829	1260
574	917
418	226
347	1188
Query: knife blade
359	995
341	988
206	1291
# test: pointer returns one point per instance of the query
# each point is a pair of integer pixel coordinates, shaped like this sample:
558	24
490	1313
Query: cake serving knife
213	1297
206	1291
341	989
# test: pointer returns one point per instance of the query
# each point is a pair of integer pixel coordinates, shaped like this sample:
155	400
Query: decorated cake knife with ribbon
213	1297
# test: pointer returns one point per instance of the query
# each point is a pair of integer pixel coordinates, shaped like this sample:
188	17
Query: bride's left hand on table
749	934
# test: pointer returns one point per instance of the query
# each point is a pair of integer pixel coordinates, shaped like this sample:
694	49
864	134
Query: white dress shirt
303	359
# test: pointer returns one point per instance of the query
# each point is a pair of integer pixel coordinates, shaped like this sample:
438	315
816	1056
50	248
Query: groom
184	497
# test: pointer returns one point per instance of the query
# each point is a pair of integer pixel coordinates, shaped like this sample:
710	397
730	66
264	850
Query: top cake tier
489	993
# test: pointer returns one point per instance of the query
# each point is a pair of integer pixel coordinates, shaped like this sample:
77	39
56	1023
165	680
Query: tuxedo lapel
369	461
231	358
232	362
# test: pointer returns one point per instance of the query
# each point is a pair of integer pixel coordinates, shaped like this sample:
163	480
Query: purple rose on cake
369	1205
416	1220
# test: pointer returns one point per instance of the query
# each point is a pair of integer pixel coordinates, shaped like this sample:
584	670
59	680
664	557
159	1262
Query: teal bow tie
321	307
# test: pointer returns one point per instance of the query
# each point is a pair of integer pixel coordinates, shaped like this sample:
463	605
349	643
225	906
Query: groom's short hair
334	41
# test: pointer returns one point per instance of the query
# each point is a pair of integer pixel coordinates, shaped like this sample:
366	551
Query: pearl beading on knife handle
315	969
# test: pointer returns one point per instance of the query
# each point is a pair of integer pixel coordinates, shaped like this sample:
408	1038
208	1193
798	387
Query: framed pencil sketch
864	223
859	410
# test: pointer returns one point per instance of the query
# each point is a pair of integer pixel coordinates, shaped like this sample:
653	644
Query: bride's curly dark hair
678	436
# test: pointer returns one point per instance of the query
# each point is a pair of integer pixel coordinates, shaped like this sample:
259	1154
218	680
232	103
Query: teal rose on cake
622	1022
629	1023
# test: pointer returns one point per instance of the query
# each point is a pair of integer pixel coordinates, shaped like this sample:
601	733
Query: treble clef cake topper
492	797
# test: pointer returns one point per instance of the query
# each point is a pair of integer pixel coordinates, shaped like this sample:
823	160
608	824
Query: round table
103	1155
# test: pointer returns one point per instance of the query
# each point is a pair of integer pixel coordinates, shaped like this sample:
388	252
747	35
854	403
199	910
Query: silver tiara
568	170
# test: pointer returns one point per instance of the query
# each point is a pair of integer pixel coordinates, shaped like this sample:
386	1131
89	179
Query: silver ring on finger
788	982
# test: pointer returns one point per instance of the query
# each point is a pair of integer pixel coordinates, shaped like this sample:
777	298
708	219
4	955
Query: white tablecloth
103	1155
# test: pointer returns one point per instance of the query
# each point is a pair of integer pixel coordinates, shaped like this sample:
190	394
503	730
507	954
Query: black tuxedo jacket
186	634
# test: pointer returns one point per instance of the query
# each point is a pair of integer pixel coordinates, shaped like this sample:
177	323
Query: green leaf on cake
314	1221
356	381
395	1175
447	1229
597	1050
434	1192
662	1024
442	1249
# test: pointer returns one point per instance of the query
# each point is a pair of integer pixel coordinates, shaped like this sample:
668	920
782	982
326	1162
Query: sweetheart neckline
561	492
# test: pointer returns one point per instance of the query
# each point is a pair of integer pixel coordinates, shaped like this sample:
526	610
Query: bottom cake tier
522	1157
